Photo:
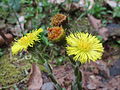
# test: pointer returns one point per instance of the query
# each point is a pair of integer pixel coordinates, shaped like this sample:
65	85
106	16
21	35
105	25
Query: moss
12	71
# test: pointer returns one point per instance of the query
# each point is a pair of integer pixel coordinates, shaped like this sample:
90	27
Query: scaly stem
78	77
77	84
52	77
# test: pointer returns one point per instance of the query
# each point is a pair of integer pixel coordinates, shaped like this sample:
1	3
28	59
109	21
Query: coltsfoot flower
56	33
26	41
84	47
58	19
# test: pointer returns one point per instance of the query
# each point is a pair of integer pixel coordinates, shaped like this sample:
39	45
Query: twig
22	31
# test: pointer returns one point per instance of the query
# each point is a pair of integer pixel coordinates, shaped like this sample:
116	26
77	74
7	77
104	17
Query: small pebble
48	86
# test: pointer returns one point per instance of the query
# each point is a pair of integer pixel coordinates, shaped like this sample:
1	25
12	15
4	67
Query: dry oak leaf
96	23
35	81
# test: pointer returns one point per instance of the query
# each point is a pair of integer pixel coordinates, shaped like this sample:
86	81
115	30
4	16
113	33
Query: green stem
78	77
77	84
52	77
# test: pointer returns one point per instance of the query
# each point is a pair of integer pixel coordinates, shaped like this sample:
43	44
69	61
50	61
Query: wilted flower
56	33
58	19
26	41
84	47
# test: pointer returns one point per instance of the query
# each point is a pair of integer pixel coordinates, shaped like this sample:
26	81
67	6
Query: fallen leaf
112	84
115	69
35	81
18	29
21	22
114	29
91	4
83	3
104	32
94	82
9	37
64	75
96	23
85	79
91	86
102	66
56	1
112	3
1	41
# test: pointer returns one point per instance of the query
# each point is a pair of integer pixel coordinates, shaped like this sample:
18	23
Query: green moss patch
12	71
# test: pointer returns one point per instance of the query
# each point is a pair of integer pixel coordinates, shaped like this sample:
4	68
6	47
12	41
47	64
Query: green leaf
15	87
63	89
75	0
48	67
45	40
12	20
118	41
74	86
15	4
59	87
42	68
100	37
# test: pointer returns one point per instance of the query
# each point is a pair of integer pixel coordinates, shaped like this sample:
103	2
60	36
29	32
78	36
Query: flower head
55	33
26	41
58	19
84	47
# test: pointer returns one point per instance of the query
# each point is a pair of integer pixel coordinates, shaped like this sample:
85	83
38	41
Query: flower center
84	46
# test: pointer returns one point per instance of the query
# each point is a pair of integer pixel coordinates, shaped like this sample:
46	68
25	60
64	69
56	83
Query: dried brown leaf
35	81
96	23
112	3
104	33
102	66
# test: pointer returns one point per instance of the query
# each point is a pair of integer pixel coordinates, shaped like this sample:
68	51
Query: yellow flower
84	47
24	42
